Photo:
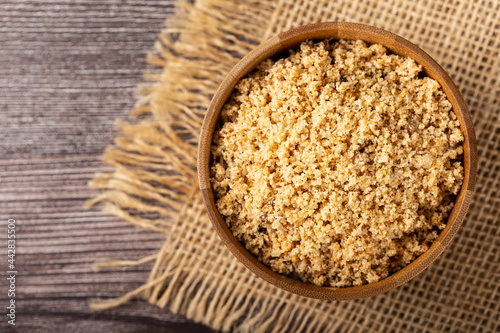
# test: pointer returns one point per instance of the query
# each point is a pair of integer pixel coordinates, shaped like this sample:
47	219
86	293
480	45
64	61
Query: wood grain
67	71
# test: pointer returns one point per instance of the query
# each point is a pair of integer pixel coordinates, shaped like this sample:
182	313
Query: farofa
338	165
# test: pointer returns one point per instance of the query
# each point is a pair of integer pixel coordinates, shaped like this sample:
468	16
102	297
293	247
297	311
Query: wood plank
67	71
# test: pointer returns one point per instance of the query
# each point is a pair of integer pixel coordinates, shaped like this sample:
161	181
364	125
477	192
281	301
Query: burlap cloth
155	184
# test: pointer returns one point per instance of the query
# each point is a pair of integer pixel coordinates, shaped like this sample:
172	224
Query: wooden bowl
279	45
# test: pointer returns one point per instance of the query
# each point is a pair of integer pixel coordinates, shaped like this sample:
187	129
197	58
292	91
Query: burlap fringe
154	185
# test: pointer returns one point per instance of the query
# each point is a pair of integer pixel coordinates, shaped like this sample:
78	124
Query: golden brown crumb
337	164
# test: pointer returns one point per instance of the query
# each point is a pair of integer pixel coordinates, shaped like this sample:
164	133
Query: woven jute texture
154	184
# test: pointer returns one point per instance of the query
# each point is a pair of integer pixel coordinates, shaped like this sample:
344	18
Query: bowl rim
337	30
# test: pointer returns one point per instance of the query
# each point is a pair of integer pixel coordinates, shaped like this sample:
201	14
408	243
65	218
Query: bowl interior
278	46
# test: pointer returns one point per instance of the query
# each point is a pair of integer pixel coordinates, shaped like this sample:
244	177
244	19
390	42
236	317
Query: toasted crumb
338	164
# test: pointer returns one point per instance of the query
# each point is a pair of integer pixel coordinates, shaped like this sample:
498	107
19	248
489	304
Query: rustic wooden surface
67	70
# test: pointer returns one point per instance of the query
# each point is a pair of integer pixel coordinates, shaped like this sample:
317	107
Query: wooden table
67	71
